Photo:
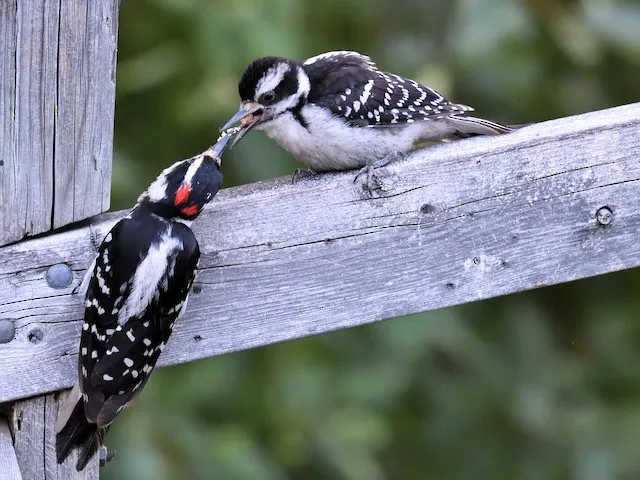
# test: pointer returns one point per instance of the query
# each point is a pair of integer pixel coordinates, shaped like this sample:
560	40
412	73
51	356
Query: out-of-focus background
543	385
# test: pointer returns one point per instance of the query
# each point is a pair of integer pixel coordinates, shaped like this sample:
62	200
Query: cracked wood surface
456	223
8	462
57	98
32	424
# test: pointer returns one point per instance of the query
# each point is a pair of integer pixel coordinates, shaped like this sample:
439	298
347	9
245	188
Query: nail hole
197	288
426	208
35	336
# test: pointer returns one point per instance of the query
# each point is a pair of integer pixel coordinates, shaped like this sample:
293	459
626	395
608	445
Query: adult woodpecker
136	288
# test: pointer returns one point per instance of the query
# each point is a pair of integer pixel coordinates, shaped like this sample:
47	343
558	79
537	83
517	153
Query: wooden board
57	98
33	423
8	460
457	223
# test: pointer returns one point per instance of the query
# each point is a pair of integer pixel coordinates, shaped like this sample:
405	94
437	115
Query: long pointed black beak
244	111
216	150
249	114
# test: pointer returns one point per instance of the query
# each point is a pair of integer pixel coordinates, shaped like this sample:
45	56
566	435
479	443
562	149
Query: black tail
79	432
466	126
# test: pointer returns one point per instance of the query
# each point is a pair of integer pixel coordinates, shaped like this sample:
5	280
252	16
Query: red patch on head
182	194
191	210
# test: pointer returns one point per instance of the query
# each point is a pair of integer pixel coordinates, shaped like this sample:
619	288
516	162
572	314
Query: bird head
269	88
182	190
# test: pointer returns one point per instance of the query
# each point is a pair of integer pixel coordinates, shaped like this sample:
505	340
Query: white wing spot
128	362
130	335
94	354
146	341
134	373
84	350
107	378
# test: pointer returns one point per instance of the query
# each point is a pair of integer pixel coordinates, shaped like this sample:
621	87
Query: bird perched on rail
337	111
136	289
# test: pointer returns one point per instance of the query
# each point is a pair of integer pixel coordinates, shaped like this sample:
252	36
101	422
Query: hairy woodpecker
337	111
136	289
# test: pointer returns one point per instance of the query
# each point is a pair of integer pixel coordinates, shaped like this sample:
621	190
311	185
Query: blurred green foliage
542	385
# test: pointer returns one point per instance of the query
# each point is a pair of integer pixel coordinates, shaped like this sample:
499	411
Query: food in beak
223	140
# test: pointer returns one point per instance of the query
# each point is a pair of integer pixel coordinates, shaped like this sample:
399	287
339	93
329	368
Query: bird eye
268	98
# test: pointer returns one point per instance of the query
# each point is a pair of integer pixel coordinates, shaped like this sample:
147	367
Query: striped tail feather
73	430
467	126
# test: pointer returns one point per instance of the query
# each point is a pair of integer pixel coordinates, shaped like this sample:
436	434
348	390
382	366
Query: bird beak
248	115
217	150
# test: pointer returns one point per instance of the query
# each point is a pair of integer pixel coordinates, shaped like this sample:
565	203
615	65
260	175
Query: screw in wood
59	276
604	216
7	331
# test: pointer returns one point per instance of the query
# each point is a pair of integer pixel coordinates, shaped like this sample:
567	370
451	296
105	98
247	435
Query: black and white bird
136	289
337	111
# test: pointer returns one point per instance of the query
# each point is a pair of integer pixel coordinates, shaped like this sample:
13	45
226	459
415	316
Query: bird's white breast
329	143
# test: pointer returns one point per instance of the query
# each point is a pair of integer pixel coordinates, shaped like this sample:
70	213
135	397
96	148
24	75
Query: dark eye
268	98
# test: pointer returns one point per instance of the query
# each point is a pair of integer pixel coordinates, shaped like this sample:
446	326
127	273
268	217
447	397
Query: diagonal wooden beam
456	223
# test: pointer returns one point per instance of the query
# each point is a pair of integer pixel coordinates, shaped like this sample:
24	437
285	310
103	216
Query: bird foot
105	455
301	173
372	181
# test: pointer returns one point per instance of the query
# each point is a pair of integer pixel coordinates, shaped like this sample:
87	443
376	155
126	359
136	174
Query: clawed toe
301	173
105	455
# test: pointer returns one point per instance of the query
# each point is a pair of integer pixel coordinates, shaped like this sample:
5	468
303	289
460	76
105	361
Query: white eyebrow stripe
271	79
193	168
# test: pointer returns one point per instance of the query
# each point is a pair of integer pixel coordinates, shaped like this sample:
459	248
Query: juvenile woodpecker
337	111
136	288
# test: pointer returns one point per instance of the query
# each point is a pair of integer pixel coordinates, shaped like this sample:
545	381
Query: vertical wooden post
32	424
57	102
57	97
8	460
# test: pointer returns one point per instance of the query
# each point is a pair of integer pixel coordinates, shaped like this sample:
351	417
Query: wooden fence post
57	99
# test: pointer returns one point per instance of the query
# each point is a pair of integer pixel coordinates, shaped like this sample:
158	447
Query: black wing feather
350	85
116	359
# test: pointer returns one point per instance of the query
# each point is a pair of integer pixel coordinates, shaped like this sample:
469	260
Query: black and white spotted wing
135	295
350	85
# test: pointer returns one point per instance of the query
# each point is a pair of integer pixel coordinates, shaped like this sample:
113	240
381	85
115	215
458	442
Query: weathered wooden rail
456	223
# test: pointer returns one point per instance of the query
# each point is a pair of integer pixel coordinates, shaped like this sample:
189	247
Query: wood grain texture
456	223
8	462
32	424
57	98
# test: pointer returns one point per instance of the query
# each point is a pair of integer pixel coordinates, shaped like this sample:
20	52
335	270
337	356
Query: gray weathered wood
8	462
57	97
458	222
32	424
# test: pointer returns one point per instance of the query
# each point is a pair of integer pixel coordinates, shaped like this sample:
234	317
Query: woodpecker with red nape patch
337	111
136	289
